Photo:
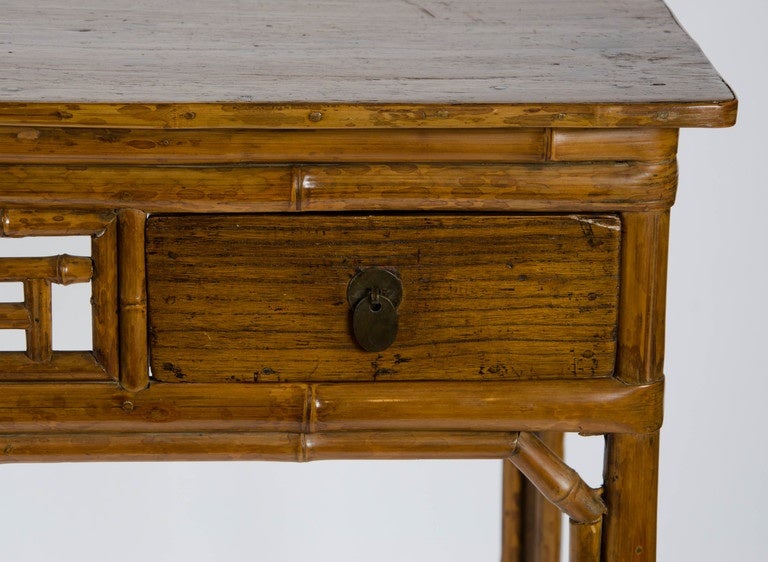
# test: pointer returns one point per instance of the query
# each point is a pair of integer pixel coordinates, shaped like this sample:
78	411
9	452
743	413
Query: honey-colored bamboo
581	145
134	366
584	541
643	297
104	297
37	298
51	222
14	316
516	187
556	187
194	146
593	406
62	269
275	446
589	405
513	514
270	446
558	482
543	519
45	407
89	446
57	145
63	366
254	446
631	495
407	445
629	528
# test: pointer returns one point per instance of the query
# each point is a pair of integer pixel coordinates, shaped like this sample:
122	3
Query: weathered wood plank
627	62
246	298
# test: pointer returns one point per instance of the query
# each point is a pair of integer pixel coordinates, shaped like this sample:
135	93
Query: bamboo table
347	230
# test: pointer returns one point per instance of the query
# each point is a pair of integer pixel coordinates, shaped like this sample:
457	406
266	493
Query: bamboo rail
17	223
556	187
14	316
56	145
592	405
69	366
62	269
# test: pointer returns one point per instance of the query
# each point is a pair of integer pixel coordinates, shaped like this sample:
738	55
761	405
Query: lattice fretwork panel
37	274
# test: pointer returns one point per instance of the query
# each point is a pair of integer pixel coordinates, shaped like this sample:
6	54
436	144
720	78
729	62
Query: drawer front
263	298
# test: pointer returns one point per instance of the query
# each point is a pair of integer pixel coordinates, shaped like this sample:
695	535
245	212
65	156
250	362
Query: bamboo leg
542	519
631	477
537	535
512	514
584	541
631	460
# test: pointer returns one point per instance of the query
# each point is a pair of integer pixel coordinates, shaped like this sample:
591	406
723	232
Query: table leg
531	524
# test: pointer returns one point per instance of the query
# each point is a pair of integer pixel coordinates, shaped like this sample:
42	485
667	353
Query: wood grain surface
263	298
353	57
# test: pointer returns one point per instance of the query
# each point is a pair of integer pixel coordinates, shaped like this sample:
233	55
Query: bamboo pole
594	406
631	461
104	298
584	541
14	316
37	298
631	483
134	369
408	445
62	269
558	482
569	187
292	406
542	519
272	446
63	366
18	223
513	510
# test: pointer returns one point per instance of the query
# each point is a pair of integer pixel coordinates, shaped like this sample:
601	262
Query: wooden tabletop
354	63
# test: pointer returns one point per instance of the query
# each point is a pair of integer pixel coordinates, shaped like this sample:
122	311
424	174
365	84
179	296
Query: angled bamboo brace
563	486
557	481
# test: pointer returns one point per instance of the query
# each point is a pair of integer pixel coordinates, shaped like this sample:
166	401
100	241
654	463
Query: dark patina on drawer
264	297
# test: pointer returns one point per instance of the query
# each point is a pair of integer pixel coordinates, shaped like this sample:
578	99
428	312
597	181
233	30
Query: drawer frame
549	170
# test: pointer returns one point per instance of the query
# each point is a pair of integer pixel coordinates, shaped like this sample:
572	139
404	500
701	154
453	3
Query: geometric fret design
34	316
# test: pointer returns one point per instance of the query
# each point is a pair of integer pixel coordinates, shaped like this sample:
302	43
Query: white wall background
713	462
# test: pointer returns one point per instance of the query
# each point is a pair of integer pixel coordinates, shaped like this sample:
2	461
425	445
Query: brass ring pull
374	295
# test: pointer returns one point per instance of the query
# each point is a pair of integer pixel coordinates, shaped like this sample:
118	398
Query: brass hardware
374	295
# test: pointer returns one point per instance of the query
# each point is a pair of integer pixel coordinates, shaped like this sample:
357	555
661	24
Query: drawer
263	298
